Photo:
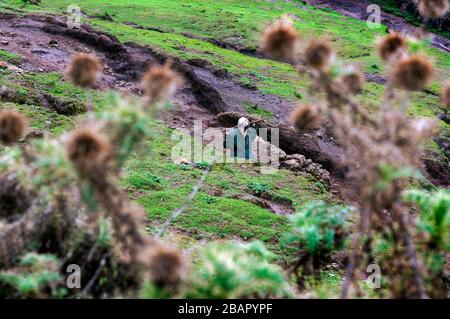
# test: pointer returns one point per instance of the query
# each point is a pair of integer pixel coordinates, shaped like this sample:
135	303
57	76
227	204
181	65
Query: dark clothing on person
240	144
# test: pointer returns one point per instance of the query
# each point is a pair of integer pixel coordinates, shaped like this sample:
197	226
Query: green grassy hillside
237	23
188	30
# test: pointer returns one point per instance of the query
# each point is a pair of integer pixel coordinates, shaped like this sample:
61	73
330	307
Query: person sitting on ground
239	141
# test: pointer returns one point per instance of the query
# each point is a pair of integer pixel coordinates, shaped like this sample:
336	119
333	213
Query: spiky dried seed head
306	117
319	54
83	69
389	46
281	41
167	265
445	95
354	81
87	149
433	9
160	82
413	73
13	126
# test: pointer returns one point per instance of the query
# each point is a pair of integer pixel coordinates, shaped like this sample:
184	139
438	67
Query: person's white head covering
242	124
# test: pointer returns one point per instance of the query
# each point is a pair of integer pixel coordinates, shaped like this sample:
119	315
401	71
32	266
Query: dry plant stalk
375	146
88	161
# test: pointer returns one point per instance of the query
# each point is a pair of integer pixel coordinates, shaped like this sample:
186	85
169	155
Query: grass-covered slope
224	208
187	30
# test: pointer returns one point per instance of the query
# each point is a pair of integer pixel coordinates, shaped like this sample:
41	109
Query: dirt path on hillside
357	9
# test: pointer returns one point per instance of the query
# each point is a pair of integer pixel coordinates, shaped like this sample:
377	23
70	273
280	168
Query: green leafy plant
144	180
37	277
225	184
208	199
318	228
258	188
236	270
316	231
435	217
203	165
321	187
9	57
185	167
390	173
433	238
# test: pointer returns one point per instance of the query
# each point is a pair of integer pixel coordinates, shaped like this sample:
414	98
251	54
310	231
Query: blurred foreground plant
231	270
37	276
433	236
317	231
71	204
382	150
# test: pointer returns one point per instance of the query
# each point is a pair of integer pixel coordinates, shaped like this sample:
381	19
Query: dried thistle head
445	95
166	265
354	81
83	69
13	126
306	117
159	83
280	41
319	54
413	73
433	9
391	45
87	148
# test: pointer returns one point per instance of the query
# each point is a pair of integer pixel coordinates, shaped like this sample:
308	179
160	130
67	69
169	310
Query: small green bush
9	57
434	237
318	228
203	165
258	188
316	231
435	217
236	270
37	277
